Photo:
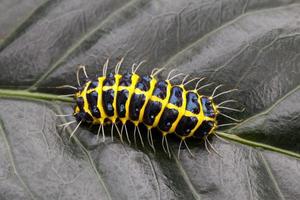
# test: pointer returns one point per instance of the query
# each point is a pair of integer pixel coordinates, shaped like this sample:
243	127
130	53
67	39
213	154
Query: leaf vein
186	178
78	44
33	17
203	37
12	161
269	171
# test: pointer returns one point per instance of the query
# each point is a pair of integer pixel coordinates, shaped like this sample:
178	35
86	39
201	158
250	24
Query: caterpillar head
79	112
209	107
210	112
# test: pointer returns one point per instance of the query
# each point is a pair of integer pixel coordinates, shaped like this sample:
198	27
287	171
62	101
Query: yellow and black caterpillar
119	98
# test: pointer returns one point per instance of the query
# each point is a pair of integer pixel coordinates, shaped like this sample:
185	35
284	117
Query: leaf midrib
25	94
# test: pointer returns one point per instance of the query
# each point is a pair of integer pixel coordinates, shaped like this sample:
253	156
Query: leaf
249	45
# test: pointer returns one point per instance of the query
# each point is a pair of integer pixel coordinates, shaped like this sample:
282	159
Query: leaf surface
250	45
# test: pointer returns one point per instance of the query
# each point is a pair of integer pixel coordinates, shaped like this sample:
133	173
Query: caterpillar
113	99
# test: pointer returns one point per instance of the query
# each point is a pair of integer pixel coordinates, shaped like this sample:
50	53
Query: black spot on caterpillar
113	99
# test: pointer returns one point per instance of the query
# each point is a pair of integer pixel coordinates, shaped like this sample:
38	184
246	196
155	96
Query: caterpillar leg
134	69
140	135
155	71
73	132
233	119
166	149
183	80
67	86
224	115
170	72
204	86
229	124
225	92
136	129
163	144
150	139
67	124
232	109
187	147
205	143
189	81
212	147
81	67
126	132
98	132
179	148
134	136
112	131
167	145
227	101
216	88
105	66
119	133
169	78
220	138
118	66
101	129
197	84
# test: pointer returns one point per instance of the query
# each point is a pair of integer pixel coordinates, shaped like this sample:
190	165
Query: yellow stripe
106	87
138	91
164	102
148	95
155	98
181	110
115	88
99	102
85	102
201	117
172	106
120	88
131	88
